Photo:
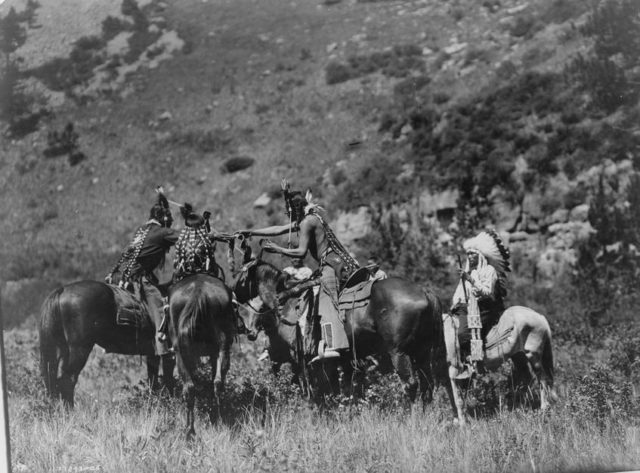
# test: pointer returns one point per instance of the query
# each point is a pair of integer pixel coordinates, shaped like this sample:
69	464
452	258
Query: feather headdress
162	199
311	205
490	245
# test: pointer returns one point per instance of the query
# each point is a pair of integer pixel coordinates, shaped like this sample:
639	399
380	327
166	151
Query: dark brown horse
78	316
202	324
401	326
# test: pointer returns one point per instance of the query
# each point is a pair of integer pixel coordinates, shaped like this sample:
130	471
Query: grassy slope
298	131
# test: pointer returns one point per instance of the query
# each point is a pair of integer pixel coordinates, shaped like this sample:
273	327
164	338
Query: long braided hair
195	250
160	214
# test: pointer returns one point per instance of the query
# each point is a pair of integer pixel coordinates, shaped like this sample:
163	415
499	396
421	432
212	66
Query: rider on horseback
195	253
195	249
482	288
144	255
316	238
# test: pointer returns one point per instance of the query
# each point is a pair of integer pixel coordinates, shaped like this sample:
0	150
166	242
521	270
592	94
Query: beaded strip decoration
334	243
130	255
195	252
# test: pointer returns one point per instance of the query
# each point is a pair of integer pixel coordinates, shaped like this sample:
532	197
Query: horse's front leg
168	365
153	366
405	370
457	396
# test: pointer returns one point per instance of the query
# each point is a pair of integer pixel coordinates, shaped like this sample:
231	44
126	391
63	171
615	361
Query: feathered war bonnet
191	219
489	244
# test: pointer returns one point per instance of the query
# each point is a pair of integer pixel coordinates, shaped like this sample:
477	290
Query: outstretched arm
306	230
271	231
225	237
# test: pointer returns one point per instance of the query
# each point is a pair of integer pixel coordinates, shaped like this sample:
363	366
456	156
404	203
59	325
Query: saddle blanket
356	296
130	310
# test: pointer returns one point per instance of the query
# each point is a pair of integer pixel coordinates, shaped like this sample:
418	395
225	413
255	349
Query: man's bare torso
318	243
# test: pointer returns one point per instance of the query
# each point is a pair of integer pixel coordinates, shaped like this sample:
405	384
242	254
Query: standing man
317	239
145	254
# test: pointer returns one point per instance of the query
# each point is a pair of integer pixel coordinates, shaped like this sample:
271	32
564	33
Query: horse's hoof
191	435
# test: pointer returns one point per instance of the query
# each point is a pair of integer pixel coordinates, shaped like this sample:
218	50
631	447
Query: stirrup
324	354
466	373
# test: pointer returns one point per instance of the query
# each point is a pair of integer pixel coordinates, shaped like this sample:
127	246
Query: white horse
521	335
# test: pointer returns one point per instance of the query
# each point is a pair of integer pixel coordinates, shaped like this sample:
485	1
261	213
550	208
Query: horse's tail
435	308
438	349
191	315
50	333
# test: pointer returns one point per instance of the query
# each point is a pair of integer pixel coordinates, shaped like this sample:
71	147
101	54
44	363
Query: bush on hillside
17	107
601	398
62	74
112	26
625	356
614	26
407	246
237	163
399	61
608	267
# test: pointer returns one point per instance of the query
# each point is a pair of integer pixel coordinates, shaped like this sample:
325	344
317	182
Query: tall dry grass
118	425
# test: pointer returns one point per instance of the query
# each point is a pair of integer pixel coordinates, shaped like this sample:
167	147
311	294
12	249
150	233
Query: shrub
336	72
625	358
600	398
62	74
112	27
237	163
615	29
400	61
139	41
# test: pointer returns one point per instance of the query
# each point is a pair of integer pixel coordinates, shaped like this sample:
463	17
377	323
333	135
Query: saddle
131	311
355	296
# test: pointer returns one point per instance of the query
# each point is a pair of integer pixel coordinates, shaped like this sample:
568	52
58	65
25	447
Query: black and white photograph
324	236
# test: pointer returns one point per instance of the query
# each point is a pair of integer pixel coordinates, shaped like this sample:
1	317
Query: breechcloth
150	295
332	328
490	312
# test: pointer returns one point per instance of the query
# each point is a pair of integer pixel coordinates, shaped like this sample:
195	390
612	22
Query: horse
401	326
73	319
522	335
202	323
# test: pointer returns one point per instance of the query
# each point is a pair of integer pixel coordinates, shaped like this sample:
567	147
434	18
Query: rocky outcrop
351	226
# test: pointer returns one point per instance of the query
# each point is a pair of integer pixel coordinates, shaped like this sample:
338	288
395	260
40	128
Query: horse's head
246	287
258	286
260	318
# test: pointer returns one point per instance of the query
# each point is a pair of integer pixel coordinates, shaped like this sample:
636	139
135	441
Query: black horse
203	323
78	316
401	326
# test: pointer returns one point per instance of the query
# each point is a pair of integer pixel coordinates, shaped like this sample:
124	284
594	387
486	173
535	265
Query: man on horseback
482	288
195	253
335	263
145	254
196	245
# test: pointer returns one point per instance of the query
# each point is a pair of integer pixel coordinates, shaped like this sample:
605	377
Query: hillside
416	123
367	103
